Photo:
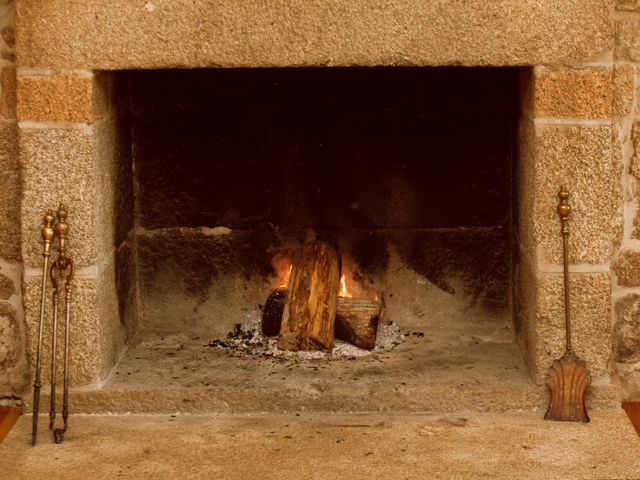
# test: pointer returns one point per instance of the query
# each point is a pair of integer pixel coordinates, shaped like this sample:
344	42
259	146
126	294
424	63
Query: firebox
402	169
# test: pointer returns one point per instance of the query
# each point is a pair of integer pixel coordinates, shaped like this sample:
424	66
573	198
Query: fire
283	277
344	292
282	265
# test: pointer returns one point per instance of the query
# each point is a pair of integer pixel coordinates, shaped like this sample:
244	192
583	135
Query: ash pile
247	339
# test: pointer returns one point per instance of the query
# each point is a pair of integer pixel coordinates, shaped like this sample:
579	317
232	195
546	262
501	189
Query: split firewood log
357	321
312	296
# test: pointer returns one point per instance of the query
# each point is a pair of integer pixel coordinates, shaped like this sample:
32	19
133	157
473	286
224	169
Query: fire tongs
61	271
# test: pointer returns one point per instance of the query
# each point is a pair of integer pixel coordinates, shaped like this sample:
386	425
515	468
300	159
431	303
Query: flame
283	277
344	292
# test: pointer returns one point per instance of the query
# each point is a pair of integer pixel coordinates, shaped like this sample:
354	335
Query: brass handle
47	233
564	209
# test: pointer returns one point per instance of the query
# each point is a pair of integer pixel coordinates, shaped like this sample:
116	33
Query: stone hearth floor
453	359
489	445
443	371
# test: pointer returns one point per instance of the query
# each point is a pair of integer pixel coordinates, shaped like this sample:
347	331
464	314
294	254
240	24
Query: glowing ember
344	292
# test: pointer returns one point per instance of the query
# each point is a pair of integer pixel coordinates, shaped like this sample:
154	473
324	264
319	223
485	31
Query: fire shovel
568	377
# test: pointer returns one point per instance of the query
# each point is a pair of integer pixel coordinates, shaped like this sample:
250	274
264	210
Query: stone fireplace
196	143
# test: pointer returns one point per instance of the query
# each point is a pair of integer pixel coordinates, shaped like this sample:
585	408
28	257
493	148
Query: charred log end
272	314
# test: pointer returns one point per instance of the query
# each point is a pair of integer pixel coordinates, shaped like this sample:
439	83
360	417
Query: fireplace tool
47	237
568	377
61	271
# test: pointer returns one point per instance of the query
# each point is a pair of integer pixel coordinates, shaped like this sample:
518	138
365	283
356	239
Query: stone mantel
126	34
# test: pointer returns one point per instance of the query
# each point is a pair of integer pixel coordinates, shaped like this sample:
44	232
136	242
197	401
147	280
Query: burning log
272	313
357	321
310	310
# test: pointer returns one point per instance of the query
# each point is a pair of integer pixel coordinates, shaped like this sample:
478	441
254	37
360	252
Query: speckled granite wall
626	149
13	367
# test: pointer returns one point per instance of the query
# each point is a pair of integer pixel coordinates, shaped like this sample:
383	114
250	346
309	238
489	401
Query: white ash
248	339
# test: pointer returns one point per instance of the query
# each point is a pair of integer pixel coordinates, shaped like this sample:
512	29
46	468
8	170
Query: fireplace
234	167
198	155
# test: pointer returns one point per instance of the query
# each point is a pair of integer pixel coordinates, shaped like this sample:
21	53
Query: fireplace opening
408	172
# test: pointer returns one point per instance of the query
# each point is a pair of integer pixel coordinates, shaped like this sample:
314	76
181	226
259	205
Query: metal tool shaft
67	325
47	236
58	433
54	348
564	209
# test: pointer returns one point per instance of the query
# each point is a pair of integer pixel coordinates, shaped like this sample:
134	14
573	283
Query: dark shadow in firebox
411	160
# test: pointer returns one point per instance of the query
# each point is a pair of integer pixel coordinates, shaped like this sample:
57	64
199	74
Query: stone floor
450	364
175	373
478	445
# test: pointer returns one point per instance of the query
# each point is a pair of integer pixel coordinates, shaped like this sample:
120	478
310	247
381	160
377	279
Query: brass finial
62	228
47	233
564	209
